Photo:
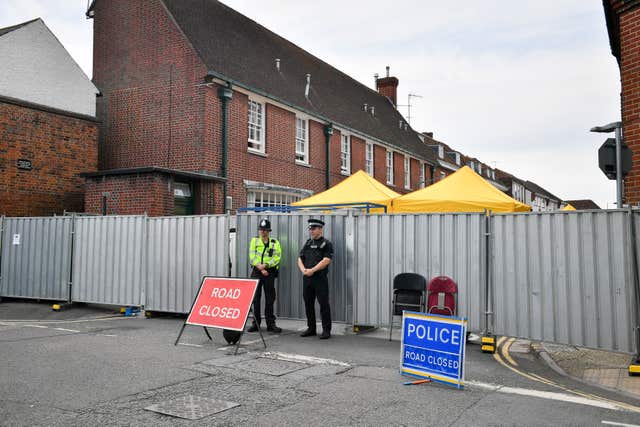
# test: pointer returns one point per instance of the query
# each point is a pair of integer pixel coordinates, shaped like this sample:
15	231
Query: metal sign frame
422	371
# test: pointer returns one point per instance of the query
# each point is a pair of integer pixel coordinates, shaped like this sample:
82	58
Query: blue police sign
433	347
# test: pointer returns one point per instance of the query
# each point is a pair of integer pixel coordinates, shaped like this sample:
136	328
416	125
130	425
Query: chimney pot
388	70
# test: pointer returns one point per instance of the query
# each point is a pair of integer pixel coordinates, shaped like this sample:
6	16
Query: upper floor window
256	126
389	167
368	158
423	175
302	140
407	172
345	155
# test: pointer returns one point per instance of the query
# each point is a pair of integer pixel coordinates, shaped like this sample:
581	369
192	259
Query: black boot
308	333
273	328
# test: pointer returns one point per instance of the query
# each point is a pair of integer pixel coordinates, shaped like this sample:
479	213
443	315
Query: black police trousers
268	284
317	288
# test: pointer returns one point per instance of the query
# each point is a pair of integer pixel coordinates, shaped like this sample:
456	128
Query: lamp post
617	128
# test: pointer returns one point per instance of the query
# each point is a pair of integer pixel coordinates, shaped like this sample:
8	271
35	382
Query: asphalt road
89	366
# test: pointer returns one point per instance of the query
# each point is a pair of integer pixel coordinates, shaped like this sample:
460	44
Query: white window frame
443	175
302	156
345	154
389	163
407	172
267	198
256	145
368	158
423	175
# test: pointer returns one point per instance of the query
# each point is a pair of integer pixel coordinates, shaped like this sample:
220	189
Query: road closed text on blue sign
433	347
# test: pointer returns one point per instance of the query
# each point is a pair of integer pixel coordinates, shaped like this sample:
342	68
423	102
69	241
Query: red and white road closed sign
223	303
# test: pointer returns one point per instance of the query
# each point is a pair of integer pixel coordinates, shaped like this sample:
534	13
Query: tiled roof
6	30
583	204
237	49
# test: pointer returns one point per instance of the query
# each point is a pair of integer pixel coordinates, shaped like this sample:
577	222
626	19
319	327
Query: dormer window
441	151
458	159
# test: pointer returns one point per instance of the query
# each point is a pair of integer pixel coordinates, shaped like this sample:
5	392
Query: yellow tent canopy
358	188
568	208
462	191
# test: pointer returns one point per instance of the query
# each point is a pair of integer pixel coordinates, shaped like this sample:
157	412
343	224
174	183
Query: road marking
36	326
505	351
106	335
188	345
543	380
94	319
549	395
613	423
300	358
65	330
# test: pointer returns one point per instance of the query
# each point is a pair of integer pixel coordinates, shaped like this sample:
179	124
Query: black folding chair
409	291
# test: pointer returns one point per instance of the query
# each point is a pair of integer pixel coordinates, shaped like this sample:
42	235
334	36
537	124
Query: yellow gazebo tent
462	191
568	208
358	188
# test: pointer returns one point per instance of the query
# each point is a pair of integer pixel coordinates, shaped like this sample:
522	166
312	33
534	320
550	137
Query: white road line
106	335
36	326
613	423
562	397
309	360
188	345
65	330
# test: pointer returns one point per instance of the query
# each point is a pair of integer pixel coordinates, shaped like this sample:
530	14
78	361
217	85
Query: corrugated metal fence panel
291	230
564	277
109	260
181	251
430	245
37	267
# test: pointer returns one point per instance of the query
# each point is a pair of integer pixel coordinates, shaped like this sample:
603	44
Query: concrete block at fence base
61	306
634	368
488	344
361	329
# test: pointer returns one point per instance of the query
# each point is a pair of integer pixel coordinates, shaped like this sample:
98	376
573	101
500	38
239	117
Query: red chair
441	296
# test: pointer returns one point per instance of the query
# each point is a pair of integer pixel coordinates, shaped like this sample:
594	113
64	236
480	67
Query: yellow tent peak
462	191
568	208
360	187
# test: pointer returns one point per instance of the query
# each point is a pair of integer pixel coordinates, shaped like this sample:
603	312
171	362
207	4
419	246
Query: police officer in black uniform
313	262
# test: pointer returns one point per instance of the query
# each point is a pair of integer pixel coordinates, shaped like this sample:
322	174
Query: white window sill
256	152
301	163
390	184
345	173
407	188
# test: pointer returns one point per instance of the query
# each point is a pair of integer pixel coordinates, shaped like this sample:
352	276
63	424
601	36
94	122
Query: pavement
605	369
91	366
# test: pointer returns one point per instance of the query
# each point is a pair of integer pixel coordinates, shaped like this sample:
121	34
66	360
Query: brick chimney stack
388	86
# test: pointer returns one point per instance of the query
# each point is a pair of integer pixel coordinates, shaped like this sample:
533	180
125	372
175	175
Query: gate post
488	338
634	367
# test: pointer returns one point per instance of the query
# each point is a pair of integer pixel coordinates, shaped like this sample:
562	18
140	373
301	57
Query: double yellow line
504	358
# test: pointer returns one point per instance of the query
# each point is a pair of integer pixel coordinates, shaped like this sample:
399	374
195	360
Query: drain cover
276	368
191	407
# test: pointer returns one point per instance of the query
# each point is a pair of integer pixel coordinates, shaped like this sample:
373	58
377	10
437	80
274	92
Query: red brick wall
380	163
629	73
130	194
388	86
152	105
59	147
415	174
357	154
398	172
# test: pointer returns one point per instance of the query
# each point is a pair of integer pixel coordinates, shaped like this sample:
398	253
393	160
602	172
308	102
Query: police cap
265	224
315	223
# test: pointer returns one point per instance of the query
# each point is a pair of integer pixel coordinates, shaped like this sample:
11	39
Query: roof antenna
306	89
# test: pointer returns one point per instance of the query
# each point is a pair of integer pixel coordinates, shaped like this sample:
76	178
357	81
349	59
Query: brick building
199	101
48	129
623	24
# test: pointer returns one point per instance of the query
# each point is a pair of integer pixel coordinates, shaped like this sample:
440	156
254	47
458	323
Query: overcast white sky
516	84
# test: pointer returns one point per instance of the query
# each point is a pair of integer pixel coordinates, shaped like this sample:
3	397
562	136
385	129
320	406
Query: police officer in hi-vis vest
313	262
264	255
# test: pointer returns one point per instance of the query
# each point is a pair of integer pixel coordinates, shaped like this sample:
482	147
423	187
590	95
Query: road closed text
440	362
221	312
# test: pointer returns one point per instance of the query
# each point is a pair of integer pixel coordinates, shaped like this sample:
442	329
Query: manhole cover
272	367
191	407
